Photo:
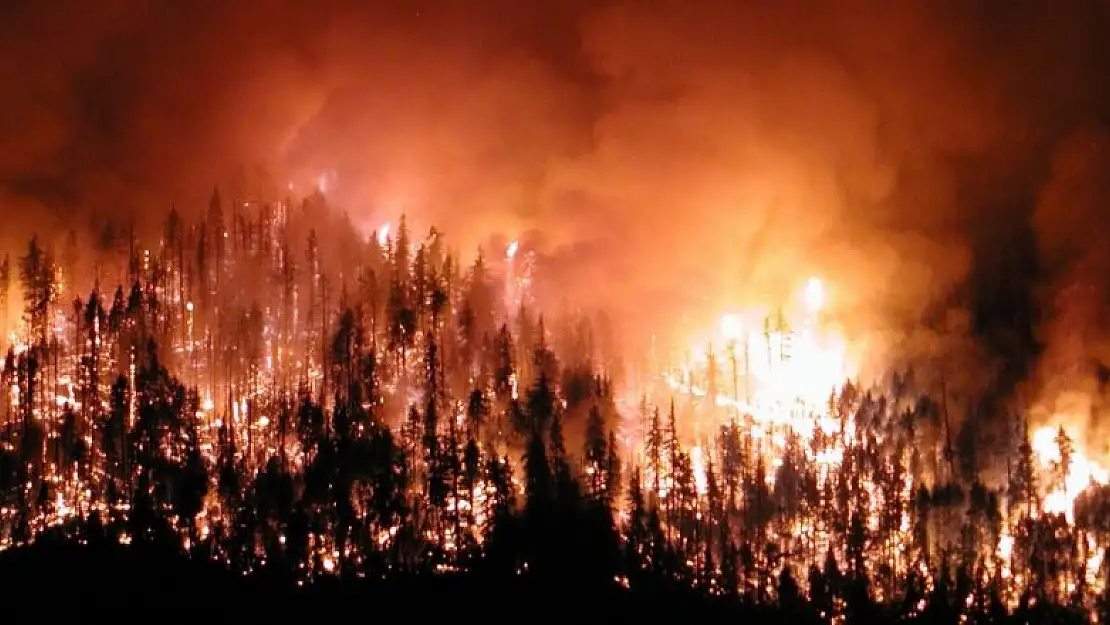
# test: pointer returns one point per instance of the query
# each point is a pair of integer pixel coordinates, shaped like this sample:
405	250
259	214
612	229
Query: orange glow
784	367
1080	473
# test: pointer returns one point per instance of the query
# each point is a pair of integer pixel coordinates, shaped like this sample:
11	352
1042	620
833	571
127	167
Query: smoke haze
664	155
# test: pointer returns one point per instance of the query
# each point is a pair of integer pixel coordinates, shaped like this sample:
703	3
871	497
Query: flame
510	253
697	462
814	295
781	368
1081	472
732	327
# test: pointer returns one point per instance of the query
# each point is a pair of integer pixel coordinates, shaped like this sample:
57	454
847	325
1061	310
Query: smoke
1071	385
665	156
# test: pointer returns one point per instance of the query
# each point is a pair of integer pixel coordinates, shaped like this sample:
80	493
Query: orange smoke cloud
661	157
1072	374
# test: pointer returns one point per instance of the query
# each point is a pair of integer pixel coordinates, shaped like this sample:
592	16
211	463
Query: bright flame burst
814	295
776	368
1073	474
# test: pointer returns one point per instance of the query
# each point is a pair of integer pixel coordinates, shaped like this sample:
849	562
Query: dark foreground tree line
304	407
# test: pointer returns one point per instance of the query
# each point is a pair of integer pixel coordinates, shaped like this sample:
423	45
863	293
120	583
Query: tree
193	485
1023	480
5	289
541	405
654	443
477	412
595	452
539	487
1062	466
37	275
612	470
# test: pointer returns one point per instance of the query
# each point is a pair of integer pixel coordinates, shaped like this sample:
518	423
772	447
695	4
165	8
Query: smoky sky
664	155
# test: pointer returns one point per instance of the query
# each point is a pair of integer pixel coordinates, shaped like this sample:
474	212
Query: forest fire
339	422
794	309
780	385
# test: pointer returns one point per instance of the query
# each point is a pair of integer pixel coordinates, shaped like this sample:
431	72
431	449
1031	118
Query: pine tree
636	529
37	274
477	412
595	452
1023	480
541	404
1066	450
654	443
5	289
612	471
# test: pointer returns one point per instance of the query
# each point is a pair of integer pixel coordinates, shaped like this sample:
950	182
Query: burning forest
268	388
798	310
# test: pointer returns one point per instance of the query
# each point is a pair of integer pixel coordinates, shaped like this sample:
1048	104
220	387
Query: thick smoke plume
665	155
1073	373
